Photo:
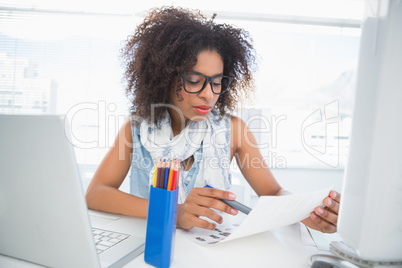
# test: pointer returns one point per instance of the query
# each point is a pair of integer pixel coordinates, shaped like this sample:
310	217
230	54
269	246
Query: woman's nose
207	92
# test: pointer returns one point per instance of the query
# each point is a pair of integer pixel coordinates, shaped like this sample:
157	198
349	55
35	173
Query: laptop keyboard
106	239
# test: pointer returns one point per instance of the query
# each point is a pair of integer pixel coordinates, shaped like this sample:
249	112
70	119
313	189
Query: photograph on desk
270	212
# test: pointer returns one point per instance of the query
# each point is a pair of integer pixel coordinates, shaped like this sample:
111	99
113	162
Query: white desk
288	247
279	248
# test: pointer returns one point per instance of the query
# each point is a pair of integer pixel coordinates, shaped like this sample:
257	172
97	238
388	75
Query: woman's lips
202	109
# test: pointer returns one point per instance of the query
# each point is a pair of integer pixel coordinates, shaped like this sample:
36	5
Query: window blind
66	63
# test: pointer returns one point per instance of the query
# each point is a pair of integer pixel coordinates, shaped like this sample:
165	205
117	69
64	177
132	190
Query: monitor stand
343	251
329	261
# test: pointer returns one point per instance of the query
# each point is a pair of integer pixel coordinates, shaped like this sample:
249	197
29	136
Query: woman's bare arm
103	192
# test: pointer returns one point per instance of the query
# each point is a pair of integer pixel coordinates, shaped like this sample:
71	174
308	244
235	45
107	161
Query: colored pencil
176	176
174	179
163	169
158	177
169	186
155	172
167	172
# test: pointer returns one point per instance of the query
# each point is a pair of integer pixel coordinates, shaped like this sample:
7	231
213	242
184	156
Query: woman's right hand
200	202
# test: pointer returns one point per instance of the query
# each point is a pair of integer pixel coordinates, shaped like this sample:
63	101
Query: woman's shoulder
236	122
135	123
134	120
238	128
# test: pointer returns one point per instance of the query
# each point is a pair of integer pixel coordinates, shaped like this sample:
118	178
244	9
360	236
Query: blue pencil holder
161	227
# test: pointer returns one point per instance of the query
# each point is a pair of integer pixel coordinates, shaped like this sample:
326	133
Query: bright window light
59	57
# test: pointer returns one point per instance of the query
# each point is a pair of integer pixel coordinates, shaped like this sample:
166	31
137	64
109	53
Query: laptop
43	214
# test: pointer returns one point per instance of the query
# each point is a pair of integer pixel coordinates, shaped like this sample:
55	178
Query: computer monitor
370	217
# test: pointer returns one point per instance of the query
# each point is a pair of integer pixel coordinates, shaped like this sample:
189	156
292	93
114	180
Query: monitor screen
370	218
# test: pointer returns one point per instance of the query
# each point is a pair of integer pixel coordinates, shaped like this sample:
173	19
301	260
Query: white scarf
211	133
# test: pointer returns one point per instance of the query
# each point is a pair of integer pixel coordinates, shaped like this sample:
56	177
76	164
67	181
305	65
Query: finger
332	204
200	211
216	193
326	215
203	224
325	226
216	204
335	196
191	221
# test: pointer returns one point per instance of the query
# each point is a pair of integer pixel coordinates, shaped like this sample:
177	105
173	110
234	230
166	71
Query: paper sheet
270	212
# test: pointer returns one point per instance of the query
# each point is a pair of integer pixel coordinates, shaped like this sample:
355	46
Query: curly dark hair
167	43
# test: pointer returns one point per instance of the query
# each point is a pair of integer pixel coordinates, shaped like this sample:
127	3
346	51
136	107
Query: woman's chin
198	118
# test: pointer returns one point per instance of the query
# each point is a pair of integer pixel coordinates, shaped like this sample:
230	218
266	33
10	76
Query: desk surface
282	247
290	246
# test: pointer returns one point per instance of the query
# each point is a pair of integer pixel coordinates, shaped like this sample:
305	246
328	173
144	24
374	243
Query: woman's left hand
324	219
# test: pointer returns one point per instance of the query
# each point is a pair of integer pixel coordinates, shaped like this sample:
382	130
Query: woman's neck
177	121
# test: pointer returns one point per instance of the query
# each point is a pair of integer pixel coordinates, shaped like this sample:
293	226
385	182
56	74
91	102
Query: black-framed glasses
195	82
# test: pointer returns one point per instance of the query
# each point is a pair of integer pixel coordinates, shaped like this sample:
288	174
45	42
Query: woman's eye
217	82
193	82
193	79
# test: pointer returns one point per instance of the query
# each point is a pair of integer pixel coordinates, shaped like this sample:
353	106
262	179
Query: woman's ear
177	85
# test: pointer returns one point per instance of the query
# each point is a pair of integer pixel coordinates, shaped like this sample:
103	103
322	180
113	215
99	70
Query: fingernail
233	211
334	195
314	216
320	211
232	196
329	201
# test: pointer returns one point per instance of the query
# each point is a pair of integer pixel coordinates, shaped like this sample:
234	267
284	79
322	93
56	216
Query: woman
184	75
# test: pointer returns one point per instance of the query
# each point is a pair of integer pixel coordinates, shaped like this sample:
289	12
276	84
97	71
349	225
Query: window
66	63
304	93
64	58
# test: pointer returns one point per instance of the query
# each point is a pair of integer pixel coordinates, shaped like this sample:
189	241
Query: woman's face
197	106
